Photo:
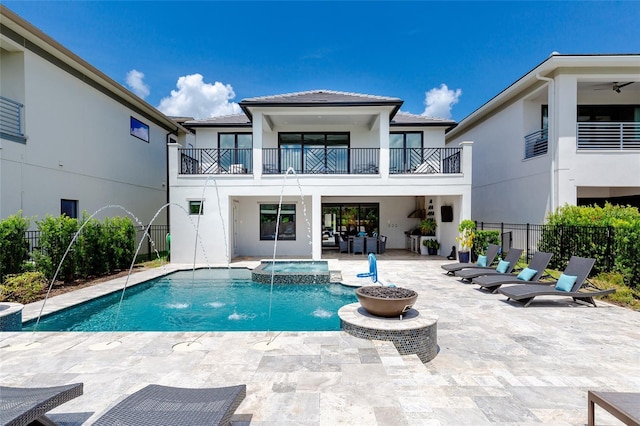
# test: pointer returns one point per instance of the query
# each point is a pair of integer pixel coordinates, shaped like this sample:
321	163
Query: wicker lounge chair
538	263
491	253
512	257
24	406
578	267
163	405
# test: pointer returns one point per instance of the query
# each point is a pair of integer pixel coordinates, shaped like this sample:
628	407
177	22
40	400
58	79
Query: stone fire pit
386	301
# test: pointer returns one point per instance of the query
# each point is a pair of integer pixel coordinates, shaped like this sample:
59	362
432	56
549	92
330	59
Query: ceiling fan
615	86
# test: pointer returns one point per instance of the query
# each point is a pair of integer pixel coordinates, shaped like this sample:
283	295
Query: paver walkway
498	363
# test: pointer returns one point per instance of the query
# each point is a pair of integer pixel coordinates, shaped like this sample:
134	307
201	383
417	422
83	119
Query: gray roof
241	120
314	98
406	119
234	120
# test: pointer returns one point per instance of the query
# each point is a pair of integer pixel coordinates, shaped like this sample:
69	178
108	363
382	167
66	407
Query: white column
566	99
466	165
383	118
257	146
316	227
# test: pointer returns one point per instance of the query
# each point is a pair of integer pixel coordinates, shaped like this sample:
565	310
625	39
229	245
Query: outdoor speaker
446	213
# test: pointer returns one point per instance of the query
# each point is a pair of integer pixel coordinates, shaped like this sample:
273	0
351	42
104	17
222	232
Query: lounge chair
577	269
491	254
24	406
538	264
504	267
163	405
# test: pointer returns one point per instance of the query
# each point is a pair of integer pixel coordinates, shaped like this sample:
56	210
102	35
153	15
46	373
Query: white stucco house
567	132
71	138
340	162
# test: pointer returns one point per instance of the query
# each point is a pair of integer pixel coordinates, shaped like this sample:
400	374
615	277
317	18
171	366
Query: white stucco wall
79	147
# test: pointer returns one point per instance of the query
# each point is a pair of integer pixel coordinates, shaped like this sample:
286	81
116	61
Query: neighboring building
567	132
359	164
71	138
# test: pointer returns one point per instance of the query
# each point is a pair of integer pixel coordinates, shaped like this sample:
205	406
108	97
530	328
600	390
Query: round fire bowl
386	301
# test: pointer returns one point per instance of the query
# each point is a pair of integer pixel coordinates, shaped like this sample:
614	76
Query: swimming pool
207	300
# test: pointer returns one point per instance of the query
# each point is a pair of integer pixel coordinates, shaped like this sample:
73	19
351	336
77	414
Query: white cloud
135	83
439	101
142	133
195	98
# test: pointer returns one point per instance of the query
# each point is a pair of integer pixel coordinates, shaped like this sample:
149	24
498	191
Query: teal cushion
482	260
566	282
526	274
502	266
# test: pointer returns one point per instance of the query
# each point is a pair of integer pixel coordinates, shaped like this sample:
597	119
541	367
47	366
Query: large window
235	149
406	150
349	219
314	152
268	220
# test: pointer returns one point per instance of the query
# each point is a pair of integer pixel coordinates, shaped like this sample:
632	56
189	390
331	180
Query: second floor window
314	152
235	148
405	150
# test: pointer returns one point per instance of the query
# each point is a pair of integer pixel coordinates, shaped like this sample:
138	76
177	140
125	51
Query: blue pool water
209	300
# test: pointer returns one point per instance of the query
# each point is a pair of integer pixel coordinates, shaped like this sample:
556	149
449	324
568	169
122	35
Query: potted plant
428	227
466	229
432	246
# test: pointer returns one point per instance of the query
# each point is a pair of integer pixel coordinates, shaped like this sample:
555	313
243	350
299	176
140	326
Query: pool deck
497	363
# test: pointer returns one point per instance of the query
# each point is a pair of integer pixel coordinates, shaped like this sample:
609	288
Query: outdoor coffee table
625	406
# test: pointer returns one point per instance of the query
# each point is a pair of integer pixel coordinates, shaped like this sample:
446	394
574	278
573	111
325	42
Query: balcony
11	120
324	160
608	136
320	161
208	161
424	160
536	143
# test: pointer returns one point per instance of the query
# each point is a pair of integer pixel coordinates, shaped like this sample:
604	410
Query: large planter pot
463	256
386	301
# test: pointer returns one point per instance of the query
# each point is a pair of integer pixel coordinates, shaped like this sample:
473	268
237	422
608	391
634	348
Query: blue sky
202	58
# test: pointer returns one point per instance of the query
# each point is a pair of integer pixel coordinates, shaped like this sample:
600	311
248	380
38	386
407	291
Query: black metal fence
561	240
155	241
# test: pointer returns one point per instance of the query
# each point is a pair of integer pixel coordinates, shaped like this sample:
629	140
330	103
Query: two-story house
296	173
71	138
567	132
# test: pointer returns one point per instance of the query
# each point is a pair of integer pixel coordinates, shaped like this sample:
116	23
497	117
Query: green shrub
14	249
91	250
482	239
56	235
23	288
120	242
610	234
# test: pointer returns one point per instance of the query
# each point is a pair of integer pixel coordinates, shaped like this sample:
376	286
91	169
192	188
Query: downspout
168	197
552	137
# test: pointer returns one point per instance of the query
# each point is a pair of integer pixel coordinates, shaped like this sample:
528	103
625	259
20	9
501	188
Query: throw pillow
526	274
482	260
502	266
565	282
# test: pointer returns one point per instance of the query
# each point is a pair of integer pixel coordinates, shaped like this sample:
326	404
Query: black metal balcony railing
608	135
536	143
11	118
328	160
425	160
206	161
321	160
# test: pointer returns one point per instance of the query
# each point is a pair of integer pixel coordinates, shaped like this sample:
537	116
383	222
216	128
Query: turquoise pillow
566	282
482	260
502	266
526	274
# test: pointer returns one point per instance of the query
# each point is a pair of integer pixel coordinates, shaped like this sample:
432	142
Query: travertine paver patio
498	362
